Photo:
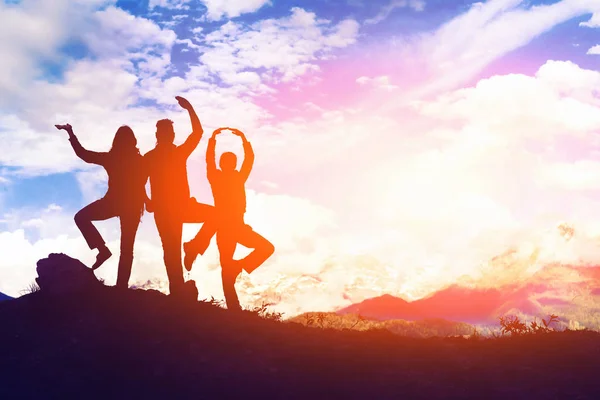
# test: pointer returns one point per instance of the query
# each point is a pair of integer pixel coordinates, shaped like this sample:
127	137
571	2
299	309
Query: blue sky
566	41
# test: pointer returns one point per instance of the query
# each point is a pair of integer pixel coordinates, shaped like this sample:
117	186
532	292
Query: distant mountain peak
4	297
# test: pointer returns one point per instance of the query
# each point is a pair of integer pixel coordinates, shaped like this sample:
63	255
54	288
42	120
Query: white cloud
286	48
417	5
269	184
528	124
462	47
126	49
217	9
579	175
595	50
494	158
189	43
169	4
133	69
118	34
434	197
32	32
95	113
81	99
380	82
560	99
95	94
594	22
290	232
29	150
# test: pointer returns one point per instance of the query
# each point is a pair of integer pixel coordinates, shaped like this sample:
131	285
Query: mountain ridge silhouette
453	303
482	305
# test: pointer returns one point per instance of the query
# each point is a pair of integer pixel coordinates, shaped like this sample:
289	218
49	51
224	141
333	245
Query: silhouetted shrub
515	327
262	312
422	329
33	287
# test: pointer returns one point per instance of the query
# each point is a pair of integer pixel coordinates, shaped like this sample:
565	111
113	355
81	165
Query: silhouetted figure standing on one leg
229	192
170	192
124	199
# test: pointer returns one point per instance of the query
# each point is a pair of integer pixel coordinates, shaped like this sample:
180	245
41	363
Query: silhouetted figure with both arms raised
229	193
124	198
170	193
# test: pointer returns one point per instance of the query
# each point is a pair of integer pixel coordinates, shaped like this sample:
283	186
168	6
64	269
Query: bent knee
79	216
269	248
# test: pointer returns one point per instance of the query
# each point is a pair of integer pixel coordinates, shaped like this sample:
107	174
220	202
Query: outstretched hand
237	132
184	103
216	132
65	127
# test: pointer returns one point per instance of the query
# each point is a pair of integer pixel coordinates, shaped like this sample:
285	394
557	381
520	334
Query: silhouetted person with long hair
229	193
124	199
170	193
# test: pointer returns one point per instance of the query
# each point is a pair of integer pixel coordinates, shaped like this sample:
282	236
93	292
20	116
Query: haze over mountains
474	306
531	281
517	283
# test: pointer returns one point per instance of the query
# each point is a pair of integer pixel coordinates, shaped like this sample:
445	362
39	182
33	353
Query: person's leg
229	268
129	226
169	229
198	212
99	210
263	249
195	213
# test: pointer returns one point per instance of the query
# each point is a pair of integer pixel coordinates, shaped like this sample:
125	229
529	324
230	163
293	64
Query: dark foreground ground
137	344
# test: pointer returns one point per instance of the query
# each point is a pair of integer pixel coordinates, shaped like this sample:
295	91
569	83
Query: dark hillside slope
142	344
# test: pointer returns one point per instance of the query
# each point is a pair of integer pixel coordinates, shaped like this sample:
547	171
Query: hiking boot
103	255
190	254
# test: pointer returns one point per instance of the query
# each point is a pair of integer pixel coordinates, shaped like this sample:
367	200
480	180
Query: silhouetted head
228	161
124	141
165	134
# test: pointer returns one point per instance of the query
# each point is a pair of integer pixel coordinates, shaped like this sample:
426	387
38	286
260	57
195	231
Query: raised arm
192	141
248	155
211	163
88	156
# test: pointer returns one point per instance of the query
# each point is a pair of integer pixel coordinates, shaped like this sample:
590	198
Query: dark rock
59	273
